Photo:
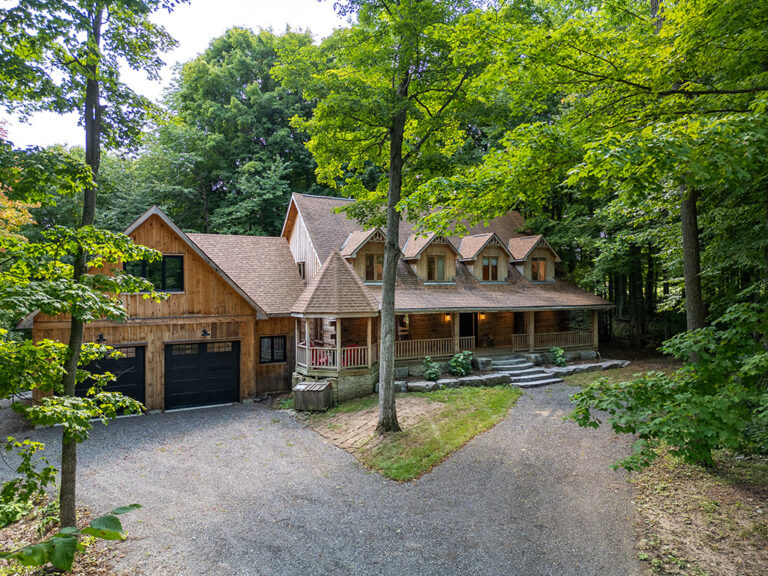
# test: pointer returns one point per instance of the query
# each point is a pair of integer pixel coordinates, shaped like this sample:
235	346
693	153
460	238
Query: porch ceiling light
447	317
482	316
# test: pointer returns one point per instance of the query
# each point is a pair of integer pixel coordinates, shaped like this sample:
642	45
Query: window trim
434	258
272	349
145	269
539	261
491	267
302	268
375	256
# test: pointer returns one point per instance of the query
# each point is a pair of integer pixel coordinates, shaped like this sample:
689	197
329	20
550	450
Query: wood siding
426	326
300	243
358	263
540	252
499	326
207	303
420	267
491	252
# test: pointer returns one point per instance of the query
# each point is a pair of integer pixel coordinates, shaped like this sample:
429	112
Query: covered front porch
329	345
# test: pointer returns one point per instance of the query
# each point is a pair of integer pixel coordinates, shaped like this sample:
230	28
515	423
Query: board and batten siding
300	243
207	303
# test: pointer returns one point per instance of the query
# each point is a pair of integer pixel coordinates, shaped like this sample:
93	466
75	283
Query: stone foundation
345	386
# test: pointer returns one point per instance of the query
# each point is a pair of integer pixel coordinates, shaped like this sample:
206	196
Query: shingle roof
521	247
471	246
261	266
468	294
417	243
336	291
327	229
355	241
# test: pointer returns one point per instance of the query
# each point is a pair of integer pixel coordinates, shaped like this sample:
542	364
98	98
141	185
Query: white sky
194	25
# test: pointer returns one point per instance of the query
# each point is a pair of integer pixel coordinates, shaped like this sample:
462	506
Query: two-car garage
196	374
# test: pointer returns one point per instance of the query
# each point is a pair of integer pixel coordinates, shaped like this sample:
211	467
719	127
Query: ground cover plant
441	422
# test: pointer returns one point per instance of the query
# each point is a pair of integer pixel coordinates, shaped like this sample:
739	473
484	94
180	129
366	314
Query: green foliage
461	363
717	400
59	550
431	370
558	356
19	495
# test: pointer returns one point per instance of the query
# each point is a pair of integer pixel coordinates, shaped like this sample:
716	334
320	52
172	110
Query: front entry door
468	325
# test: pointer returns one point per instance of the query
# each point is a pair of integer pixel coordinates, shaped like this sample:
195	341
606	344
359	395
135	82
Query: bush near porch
430	433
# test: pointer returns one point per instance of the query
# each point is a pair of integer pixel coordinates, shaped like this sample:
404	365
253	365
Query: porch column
306	334
529	320
296	339
338	343
370	340
595	340
455	328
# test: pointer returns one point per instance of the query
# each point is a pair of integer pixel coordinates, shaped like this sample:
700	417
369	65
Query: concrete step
537	383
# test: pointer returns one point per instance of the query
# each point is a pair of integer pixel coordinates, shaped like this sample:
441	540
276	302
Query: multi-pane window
166	275
490	269
436	268
374	267
273	349
539	269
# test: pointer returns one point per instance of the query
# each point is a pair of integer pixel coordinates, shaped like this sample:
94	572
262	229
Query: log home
246	315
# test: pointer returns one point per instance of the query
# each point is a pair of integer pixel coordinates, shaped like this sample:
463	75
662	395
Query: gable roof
336	291
155	211
357	240
520	248
471	246
327	230
417	243
262	266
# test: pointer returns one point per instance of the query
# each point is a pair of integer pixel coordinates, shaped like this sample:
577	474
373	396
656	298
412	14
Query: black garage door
129	370
201	373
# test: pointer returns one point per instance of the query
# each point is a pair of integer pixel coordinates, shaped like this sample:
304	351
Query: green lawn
469	411
621	374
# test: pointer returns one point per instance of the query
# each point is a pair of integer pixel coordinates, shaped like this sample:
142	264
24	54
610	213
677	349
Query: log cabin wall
429	326
551	321
207	303
499	326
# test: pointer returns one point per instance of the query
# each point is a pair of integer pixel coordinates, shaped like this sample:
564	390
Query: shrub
431	370
461	364
558	356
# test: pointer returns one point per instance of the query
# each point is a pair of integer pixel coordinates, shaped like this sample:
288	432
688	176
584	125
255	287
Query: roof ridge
324	197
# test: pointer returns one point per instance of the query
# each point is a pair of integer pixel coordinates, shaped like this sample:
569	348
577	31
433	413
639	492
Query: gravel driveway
242	490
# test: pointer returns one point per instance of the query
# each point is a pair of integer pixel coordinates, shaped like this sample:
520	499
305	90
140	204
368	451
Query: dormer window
539	269
490	269
436	268
374	267
302	266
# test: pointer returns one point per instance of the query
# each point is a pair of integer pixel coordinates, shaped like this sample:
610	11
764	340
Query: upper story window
490	269
436	268
166	275
374	267
302	266
539	269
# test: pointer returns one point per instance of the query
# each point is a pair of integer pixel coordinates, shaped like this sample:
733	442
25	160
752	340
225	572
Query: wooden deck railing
571	339
317	358
410	349
519	341
467	343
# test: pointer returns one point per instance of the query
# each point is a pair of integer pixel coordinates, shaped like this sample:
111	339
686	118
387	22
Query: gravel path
242	490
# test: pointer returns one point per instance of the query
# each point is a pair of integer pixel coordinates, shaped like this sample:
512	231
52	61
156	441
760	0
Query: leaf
124	509
105	527
35	555
63	551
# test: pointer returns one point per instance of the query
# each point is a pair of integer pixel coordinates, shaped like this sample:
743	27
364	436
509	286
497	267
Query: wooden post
370	339
595	324
456	339
338	344
529	320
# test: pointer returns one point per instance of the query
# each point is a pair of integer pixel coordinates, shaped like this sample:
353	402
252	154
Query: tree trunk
695	313
92	120
387	411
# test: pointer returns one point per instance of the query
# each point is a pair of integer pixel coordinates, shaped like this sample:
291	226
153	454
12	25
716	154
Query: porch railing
571	339
318	358
519	341
410	349
467	343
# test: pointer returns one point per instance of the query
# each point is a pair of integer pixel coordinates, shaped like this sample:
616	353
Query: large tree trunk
387	410
695	313
92	116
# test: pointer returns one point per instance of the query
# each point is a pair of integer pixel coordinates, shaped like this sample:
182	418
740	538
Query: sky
194	25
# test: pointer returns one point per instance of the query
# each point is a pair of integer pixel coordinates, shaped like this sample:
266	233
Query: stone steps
522	373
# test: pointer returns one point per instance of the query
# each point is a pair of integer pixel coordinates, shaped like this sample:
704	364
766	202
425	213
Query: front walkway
242	490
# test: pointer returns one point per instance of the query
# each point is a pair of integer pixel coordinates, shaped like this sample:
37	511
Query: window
184	349
302	269
539	269
436	268
490	269
166	275
374	267
273	349
219	347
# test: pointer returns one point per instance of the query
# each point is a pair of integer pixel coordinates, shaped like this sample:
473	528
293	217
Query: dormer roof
521	248
471	246
417	243
360	238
